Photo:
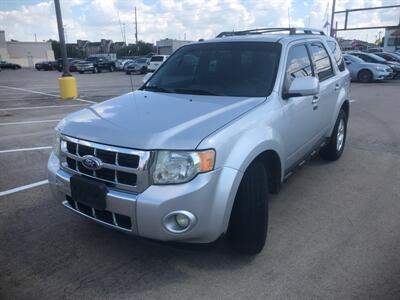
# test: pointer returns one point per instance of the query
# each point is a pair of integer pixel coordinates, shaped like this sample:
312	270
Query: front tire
248	224
334	149
365	76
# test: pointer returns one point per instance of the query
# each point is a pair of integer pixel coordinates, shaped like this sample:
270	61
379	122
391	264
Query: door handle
315	100
337	87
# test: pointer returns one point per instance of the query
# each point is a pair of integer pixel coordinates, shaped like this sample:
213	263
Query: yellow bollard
68	87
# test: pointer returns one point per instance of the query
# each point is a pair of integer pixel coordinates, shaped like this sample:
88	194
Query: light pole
333	17
67	83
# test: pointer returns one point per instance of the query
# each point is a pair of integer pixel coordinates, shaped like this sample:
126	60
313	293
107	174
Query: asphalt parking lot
334	230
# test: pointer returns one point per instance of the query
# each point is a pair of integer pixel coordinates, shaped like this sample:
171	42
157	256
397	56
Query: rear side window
337	53
322	62
364	57
298	64
157	58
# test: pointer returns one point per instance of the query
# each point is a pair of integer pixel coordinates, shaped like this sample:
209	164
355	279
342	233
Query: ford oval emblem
92	162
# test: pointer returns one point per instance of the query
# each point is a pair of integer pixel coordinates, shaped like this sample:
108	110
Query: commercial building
392	39
25	54
84	48
168	46
354	45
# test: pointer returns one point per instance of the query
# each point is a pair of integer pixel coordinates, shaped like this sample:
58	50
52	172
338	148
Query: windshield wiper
155	88
194	91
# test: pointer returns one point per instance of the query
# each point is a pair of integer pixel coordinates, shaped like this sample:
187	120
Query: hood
375	65
394	65
148	120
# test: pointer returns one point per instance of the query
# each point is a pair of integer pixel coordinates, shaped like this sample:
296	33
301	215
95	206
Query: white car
156	61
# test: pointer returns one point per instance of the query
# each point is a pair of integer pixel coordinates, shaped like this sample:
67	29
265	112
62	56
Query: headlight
56	143
181	166
380	69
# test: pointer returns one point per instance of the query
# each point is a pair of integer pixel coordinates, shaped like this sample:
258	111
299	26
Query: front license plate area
88	192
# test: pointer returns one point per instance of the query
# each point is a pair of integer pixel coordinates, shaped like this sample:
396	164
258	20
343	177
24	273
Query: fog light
179	221
182	220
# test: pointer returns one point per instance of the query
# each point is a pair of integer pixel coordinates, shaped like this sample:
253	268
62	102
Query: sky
194	19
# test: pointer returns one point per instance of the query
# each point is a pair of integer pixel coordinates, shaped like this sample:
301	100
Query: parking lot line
24	187
40	107
41	93
25	149
28	122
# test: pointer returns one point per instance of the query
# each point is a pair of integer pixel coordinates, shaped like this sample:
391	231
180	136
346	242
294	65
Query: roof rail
291	30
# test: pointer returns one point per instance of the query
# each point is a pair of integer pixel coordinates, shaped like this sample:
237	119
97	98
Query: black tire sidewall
330	152
368	78
248	223
342	115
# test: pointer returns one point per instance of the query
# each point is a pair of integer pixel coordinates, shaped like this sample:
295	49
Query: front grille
122	168
102	215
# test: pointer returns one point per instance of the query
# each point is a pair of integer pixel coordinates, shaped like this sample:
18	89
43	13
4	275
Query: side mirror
146	77
347	62
303	86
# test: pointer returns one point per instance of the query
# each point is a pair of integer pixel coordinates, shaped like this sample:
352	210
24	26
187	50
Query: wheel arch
272	164
342	103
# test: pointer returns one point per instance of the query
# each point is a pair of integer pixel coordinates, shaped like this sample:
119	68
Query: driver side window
298	64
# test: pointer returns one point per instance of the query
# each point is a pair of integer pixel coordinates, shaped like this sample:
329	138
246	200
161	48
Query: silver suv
192	155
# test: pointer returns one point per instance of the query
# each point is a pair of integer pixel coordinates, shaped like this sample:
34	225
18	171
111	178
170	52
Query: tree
141	49
55	45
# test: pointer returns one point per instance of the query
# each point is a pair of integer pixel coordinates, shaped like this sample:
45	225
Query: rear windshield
242	69
157	58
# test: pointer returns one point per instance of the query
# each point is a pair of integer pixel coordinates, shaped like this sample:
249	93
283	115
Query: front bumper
209	197
382	75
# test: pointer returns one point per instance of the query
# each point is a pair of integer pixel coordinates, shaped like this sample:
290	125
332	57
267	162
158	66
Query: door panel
329	87
300	117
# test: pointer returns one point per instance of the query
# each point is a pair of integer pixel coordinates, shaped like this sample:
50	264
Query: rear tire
248	223
334	149
365	76
80	72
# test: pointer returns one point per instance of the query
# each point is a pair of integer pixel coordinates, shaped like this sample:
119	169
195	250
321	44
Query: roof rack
291	30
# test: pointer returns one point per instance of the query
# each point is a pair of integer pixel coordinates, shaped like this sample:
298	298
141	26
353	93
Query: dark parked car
389	56
59	63
101	63
8	65
46	65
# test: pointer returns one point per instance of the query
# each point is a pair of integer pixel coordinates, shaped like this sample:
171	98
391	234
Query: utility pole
333	17
63	47
136	36
35	38
124	35
68	88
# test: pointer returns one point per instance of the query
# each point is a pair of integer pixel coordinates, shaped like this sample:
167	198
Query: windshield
157	58
241	69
